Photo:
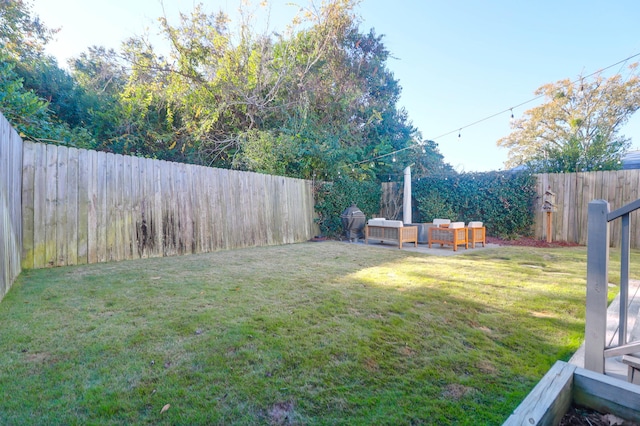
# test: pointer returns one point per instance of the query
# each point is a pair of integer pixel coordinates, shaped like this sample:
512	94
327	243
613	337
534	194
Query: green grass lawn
315	333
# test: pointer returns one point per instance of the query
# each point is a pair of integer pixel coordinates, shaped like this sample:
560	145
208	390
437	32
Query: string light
510	110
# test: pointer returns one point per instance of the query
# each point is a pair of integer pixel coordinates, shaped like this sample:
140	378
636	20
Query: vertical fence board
110	206
127	209
39	206
28	199
157	209
135	209
215	222
119	208
609	192
84	171
199	210
226	204
567	207
193	208
50	219
92	208
102	212
61	206
11	224
5	212
580	220
71	232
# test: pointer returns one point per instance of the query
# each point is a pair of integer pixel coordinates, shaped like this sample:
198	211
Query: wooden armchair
477	234
455	234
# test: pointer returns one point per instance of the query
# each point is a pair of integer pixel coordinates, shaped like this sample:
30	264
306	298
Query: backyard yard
312	333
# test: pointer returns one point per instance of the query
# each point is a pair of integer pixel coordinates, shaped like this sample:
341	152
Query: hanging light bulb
424	151
393	159
459	133
373	164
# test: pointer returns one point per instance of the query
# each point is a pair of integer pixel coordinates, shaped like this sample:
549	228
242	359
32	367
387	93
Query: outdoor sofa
390	231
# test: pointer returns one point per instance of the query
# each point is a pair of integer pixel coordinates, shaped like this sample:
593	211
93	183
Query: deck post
597	283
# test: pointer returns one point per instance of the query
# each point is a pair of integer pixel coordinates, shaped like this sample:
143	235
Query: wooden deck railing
599	218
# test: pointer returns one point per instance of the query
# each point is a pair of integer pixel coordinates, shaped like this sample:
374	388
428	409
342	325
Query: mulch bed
578	416
530	242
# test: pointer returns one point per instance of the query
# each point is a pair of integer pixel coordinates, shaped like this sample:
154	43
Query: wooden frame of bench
390	234
449	236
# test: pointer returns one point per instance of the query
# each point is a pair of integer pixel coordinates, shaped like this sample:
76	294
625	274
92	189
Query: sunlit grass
317	333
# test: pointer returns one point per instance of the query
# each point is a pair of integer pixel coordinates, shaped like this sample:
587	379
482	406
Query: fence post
597	282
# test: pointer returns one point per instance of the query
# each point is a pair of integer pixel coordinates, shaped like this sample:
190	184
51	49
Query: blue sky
458	62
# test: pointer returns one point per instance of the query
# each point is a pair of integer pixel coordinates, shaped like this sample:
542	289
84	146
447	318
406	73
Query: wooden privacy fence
10	218
81	206
574	191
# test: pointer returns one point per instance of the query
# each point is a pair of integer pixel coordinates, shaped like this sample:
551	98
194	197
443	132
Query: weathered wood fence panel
85	207
574	191
10	205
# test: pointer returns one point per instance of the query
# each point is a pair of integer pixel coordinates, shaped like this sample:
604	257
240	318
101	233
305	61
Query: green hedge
504	201
333	197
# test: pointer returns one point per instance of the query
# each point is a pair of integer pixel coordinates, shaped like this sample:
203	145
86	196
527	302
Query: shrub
504	201
333	197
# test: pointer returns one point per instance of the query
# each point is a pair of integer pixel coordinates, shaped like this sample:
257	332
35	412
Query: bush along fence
504	201
333	197
81	206
510	204
10	214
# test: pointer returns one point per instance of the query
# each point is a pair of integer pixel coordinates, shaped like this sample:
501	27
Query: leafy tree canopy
316	100
577	128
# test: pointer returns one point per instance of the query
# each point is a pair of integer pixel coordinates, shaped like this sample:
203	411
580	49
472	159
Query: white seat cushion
456	225
393	223
475	224
376	222
439	222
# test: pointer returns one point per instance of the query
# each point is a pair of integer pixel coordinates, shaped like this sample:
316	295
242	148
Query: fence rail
82	206
574	191
10	215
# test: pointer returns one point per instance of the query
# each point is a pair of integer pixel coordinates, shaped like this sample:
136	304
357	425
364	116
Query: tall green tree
37	97
316	100
311	101
577	128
